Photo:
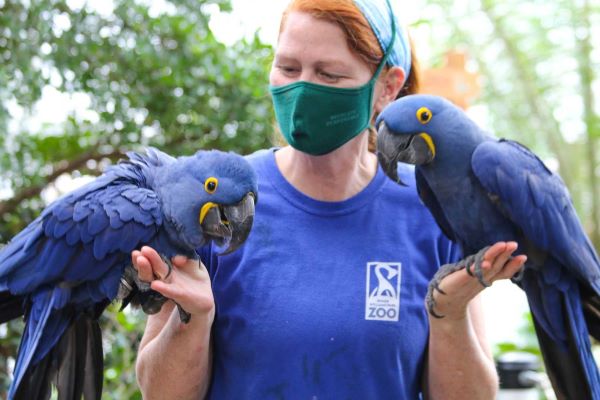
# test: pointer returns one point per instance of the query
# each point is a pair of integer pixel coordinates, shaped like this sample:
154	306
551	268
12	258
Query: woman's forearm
175	363
458	366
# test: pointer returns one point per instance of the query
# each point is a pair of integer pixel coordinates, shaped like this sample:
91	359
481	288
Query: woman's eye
287	69
329	77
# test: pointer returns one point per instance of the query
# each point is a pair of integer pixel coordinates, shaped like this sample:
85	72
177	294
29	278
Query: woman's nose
307	75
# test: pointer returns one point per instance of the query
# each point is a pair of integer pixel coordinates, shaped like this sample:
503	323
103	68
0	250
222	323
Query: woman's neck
336	176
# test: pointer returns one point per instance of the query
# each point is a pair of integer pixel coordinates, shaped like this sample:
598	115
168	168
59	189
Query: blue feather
81	210
97	221
62	228
63	211
36	343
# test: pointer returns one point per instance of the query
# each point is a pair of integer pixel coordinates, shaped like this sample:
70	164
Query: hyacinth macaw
481	191
64	268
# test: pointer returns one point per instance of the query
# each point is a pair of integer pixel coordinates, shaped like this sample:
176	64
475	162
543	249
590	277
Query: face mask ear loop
388	50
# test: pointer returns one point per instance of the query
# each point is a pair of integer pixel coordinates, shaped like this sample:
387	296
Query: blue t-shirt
325	300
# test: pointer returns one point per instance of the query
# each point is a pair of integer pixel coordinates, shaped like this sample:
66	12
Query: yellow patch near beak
205	209
429	142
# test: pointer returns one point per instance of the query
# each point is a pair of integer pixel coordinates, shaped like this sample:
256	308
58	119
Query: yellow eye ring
210	185
424	115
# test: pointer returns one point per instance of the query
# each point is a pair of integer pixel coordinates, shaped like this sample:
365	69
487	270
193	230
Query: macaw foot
516	279
473	260
139	293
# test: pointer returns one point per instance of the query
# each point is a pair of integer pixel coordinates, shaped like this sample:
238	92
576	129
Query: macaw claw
473	261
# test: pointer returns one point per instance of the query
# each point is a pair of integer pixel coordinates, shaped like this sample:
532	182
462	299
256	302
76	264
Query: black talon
442	272
472	261
468	262
519	275
434	314
184	316
476	262
431	304
436	286
169	266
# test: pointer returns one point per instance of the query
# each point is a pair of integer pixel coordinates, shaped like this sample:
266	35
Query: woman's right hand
188	284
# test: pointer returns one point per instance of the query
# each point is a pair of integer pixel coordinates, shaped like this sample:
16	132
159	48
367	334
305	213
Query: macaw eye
424	115
211	185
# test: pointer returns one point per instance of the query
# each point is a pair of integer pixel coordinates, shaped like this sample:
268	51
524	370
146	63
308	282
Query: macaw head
422	130
208	196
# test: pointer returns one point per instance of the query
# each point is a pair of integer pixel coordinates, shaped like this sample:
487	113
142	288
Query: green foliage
160	80
536	61
122	331
141	77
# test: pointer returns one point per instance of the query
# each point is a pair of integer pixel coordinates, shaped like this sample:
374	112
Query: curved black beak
240	217
417	149
229	225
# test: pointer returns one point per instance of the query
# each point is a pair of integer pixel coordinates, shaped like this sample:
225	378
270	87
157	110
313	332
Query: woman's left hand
452	287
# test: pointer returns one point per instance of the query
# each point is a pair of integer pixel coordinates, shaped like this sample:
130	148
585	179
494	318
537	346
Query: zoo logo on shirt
382	301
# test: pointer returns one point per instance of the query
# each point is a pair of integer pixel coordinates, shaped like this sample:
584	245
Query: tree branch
67	166
62	167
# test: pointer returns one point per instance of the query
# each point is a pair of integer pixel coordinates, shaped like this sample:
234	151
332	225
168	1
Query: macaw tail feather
35	382
560	306
591	311
38	320
11	307
572	369
81	362
75	365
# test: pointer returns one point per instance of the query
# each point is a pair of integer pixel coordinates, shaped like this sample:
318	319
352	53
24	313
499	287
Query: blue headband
379	14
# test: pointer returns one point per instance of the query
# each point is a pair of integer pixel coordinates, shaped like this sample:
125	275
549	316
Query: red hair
359	36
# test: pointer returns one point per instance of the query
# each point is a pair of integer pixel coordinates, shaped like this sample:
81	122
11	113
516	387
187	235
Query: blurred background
82	82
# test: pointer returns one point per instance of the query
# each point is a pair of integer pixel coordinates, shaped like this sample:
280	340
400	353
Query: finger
180	261
144	269
159	268
188	265
512	267
494	251
500	261
511	247
167	290
134	255
504	256
498	254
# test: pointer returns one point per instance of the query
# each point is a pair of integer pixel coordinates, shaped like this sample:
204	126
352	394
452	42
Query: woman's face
316	51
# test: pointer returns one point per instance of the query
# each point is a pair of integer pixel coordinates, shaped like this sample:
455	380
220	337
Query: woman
326	297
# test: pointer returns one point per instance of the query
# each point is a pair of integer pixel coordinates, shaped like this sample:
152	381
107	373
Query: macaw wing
80	240
538	202
431	202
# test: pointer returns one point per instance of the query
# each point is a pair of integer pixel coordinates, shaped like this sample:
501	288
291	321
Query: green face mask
317	119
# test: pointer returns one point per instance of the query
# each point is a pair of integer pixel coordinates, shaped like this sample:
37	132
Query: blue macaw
65	267
480	191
